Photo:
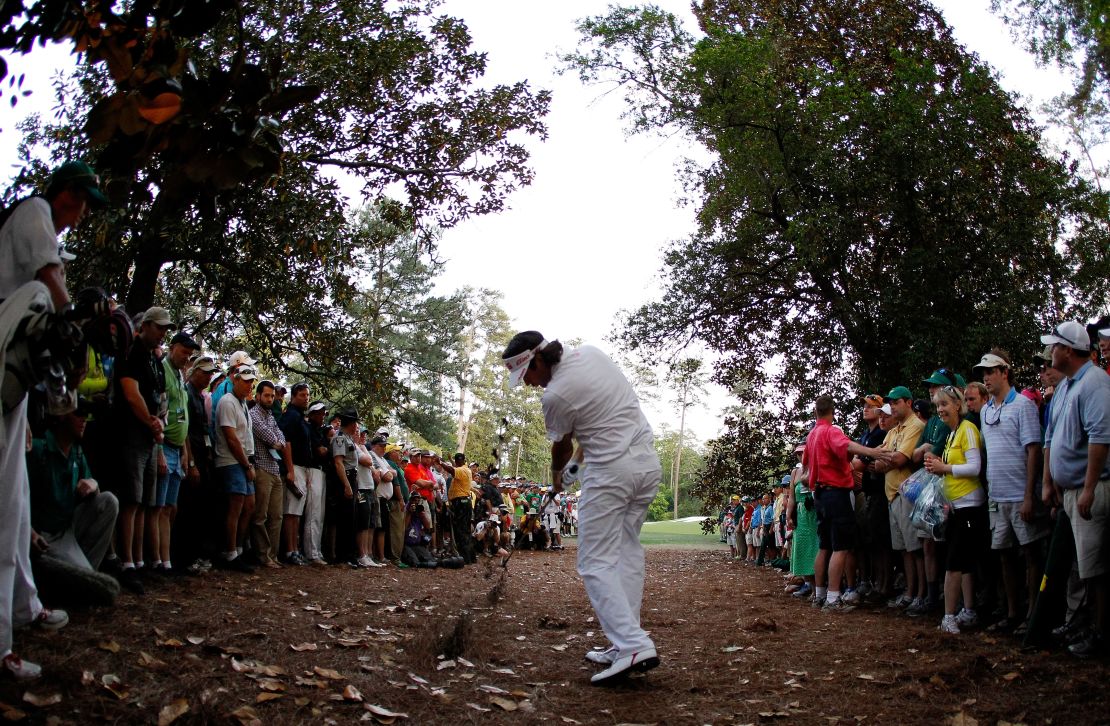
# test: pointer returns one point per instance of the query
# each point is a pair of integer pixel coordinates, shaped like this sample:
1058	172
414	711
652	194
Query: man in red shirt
828	456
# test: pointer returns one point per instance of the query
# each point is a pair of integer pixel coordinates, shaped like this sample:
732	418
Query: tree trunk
144	281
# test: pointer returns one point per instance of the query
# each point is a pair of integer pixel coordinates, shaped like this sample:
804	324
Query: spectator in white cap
235	466
587	398
1104	347
1012	432
238	358
1076	443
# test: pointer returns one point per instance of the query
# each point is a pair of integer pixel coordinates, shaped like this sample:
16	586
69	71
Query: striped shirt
1080	415
1007	430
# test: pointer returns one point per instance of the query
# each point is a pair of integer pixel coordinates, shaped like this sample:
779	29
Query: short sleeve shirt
902	438
460	485
232	413
342	445
1007	429
145	369
826	454
1080	415
28	243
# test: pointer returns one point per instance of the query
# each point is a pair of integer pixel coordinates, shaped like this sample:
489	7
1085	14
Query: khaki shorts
1090	534
903	535
1008	529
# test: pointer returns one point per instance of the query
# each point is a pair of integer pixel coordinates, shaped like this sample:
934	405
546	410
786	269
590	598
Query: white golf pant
313	513
611	510
19	600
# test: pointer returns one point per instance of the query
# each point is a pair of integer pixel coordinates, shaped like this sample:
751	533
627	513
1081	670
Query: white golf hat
1069	333
240	358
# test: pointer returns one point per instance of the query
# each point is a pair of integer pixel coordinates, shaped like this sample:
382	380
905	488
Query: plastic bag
930	511
912	486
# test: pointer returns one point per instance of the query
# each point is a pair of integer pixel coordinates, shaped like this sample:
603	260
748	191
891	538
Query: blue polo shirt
1080	415
757	516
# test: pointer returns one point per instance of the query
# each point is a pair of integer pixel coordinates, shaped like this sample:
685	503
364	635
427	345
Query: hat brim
96	197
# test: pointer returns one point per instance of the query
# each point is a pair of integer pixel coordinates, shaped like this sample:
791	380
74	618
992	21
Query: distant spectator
235	467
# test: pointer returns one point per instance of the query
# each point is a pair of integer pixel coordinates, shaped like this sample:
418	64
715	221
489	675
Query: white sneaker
851	597
967	618
21	670
375	563
365	561
643	660
949	625
602	657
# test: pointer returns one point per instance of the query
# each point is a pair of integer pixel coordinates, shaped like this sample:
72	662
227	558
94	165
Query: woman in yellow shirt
968	531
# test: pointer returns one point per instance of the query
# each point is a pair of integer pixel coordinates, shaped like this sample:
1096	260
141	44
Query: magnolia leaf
505	703
327	673
42	701
263	697
172	711
350	693
301	647
109	645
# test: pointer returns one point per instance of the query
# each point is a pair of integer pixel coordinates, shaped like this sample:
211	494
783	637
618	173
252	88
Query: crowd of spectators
1008	467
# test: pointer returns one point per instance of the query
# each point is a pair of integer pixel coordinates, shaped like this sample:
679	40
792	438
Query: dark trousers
198	528
462	514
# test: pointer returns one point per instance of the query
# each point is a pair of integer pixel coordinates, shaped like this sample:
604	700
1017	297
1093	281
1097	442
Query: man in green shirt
72	519
175	461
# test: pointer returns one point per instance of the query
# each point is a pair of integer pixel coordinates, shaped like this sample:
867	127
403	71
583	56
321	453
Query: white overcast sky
584	240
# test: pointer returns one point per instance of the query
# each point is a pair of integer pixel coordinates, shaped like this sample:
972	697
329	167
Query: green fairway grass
679	534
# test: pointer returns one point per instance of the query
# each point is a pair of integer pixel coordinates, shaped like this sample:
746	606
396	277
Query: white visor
518	364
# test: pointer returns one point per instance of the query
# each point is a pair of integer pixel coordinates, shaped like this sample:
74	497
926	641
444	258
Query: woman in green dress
802	515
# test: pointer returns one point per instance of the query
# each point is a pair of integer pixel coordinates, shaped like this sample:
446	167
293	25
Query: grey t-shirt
343	445
232	413
1080	415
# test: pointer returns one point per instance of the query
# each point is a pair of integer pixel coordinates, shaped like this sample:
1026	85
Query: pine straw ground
304	645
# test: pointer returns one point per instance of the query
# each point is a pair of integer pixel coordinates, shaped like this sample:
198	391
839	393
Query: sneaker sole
643	666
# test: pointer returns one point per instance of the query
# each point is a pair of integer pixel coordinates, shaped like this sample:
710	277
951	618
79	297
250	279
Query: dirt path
302	645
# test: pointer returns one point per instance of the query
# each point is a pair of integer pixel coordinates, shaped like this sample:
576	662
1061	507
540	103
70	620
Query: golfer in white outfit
587	398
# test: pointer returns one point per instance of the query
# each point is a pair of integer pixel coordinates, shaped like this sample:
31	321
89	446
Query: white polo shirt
28	243
588	395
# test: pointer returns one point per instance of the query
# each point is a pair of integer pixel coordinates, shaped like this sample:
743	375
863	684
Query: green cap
899	392
80	174
943	377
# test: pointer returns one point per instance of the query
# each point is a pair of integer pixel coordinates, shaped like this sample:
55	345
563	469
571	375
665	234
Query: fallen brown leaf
109	645
42	701
113	683
962	719
327	673
263	697
87	678
504	703
194	639
246	716
271	684
350	693
146	660
172	711
302	647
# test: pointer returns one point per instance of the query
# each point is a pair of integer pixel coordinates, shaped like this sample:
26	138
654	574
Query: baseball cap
785	480
1069	333
158	316
942	377
1104	333
80	174
317	406
246	373
204	363
390	448
735	497
873	399
899	392
1045	356
378	440
240	358
990	360
885	409
921	406
183	338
